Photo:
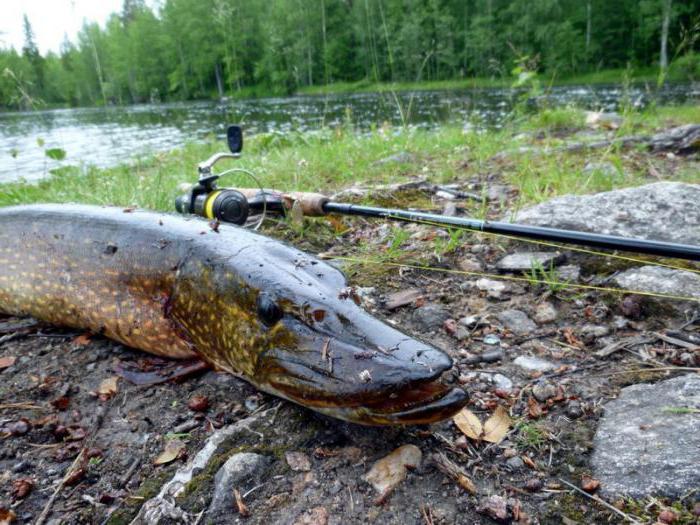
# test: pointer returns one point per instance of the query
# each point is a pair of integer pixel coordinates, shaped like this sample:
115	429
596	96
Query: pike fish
246	304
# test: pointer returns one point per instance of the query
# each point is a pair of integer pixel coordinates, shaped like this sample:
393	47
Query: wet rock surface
665	211
648	440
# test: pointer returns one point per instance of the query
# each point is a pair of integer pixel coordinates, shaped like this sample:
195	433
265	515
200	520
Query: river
111	135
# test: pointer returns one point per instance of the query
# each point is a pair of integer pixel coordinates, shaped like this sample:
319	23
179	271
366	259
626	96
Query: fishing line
517	279
547	243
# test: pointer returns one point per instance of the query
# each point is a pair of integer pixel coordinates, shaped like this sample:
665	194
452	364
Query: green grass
332	159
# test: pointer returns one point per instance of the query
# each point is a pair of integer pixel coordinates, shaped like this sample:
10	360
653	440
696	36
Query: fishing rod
237	205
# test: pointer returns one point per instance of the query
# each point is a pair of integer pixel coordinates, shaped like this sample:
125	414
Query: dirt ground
59	402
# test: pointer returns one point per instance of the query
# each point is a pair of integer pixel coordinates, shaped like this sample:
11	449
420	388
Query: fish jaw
371	385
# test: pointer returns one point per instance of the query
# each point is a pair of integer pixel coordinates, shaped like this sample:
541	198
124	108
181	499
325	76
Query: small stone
525	261
517	322
402	298
544	391
515	463
240	468
574	409
470	264
533	364
593	331
495	507
502	382
431	316
314	516
603	119
493	289
387	473
472	321
569	273
533	484
491	356
491	339
21	466
545	313
298	461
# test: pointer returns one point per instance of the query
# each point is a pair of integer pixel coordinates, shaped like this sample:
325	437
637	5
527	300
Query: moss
131	505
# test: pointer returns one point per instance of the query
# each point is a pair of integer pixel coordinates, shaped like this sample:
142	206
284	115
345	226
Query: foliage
189	49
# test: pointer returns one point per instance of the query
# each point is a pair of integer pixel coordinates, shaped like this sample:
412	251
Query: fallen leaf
7	361
75	477
61	403
21	488
529	462
469	424
533	408
7	516
497	426
198	403
242	507
387	473
108	387
173	449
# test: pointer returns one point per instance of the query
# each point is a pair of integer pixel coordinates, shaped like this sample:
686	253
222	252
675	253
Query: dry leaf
7	516
108	387
469	424
497	426
529	462
173	449
467	484
589	484
534	409
7	361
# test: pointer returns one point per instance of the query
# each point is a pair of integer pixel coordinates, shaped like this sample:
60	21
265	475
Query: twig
22	406
601	501
47	508
658	369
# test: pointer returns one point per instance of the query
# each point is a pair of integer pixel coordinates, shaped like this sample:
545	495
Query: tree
30	51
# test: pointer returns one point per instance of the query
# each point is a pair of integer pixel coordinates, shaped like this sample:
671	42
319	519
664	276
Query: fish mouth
395	383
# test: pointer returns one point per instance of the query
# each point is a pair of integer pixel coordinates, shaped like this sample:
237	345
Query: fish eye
268	310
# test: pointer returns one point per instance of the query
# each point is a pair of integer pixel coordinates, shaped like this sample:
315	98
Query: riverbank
541	348
331	159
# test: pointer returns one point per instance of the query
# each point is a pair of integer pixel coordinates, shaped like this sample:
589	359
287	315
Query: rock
515	463
665	211
517	322
569	273
493	289
387	473
298	461
544	391
605	169
594	331
603	119
314	516
431	316
491	339
682	140
533	364
496	507
403	157
402	298
659	279
472	321
239	469
545	313
470	264
524	261
574	409
642	448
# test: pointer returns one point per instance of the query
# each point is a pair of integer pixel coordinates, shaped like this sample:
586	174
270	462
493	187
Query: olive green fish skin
245	303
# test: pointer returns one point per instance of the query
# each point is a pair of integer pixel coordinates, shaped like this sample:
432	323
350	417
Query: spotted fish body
244	303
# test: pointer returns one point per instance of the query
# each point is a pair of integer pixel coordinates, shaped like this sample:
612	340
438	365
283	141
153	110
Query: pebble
574	409
533	364
569	273
544	391
298	461
431	316
21	466
594	331
314	516
470	264
387	473
239	468
524	261
493	289
515	463
545	313
517	322
491	339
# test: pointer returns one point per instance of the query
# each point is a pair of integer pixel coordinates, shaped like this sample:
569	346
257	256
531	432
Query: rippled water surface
108	136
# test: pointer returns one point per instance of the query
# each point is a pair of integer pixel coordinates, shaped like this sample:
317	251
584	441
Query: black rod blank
611	242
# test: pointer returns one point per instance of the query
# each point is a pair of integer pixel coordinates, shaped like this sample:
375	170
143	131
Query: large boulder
648	440
664	211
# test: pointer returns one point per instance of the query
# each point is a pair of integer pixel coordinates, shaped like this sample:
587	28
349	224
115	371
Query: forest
192	49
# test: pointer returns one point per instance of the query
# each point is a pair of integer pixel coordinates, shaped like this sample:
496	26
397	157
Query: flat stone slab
648	441
658	279
525	261
664	211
